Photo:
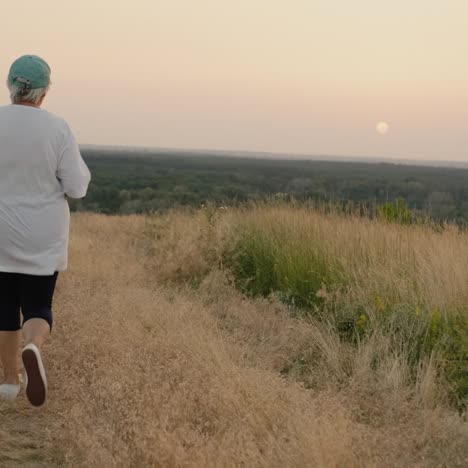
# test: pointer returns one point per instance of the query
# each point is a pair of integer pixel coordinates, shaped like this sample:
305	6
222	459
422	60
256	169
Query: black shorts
30	294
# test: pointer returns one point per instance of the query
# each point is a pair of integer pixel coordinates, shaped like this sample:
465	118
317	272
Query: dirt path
23	435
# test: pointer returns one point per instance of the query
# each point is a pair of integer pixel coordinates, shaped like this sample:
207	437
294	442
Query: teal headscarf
29	72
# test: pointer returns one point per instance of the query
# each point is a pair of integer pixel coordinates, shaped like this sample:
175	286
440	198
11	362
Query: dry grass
147	370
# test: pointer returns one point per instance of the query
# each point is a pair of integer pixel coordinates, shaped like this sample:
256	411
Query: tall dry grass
410	264
403	284
157	360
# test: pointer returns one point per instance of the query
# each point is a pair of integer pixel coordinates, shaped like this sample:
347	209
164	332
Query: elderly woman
40	165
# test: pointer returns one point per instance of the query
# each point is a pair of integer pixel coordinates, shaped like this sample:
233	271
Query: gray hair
19	94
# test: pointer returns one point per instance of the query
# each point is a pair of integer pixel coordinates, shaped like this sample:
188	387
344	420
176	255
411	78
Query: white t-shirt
40	163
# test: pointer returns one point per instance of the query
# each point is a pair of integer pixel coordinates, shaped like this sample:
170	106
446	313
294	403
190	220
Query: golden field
158	359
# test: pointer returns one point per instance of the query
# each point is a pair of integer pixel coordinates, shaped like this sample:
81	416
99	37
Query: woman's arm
72	172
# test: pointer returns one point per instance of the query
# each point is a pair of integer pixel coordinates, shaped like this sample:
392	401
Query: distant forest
141	182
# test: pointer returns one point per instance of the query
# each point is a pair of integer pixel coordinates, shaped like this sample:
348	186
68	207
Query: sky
289	76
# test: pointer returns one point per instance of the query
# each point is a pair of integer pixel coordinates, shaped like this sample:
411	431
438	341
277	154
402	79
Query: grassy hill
265	336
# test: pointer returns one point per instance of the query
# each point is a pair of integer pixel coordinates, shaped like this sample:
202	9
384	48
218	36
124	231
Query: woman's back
31	140
39	163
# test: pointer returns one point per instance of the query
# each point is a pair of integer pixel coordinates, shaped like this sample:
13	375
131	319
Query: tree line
126	182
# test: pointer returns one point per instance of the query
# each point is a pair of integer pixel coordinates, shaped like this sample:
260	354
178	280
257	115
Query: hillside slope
156	360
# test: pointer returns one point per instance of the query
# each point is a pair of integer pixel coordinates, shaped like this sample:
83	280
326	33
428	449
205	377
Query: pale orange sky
296	76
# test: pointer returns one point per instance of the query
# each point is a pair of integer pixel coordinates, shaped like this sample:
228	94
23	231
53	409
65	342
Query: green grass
263	263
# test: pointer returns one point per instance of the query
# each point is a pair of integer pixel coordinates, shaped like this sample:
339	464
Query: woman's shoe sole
36	389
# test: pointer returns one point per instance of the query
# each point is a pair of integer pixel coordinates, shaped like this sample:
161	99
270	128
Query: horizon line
273	155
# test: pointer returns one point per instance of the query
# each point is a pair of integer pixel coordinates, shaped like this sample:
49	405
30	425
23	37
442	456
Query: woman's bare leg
36	331
9	345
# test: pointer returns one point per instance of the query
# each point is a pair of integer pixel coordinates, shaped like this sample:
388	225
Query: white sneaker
9	392
36	381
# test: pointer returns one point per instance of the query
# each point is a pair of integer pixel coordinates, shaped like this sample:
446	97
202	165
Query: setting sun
382	128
